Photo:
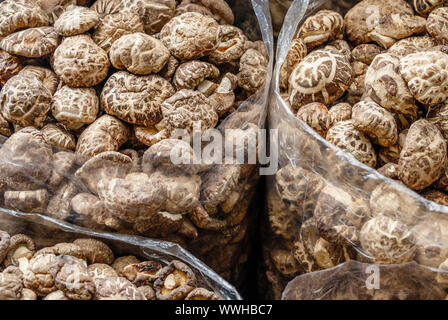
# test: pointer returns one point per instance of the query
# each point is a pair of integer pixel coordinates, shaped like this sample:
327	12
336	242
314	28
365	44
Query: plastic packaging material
192	190
325	207
54	239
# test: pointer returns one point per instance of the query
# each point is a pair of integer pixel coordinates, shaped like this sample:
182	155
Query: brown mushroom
252	71
95	251
231	47
122	262
58	137
38	277
202	294
56	295
143	273
27	201
20	252
11	286
4	245
9	66
76	20
175	281
192	73
116	288
148	292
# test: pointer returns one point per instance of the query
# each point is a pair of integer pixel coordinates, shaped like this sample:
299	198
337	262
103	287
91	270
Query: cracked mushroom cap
325	25
76	20
56	295
191	36
63	162
80	62
95	251
340	112
63	249
59	205
47	76
105	8
437	25
27	201
331	76
135	99
190	6
4	245
114	26
438	115
105	134
10	65
20	14
148	292
252	71
387	241
385	86
426	74
20	252
31	43
58	137
26	160
376	122
424	156
38	277
345	136
139	53
202	294
170	154
11	284
365	53
106	165
175	281
231	47
101	271
75	107
360	21
186	107
122	262
116	288
54	8
25	101
316	116
160	224
220	10
154	14
412	45
88	207
191	74
70	275
296	53
143	273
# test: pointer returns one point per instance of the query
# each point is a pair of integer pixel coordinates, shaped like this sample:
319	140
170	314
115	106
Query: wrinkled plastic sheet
225	250
303	152
47	232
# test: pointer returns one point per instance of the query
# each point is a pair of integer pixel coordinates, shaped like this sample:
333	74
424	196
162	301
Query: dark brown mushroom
175	281
142	273
95	251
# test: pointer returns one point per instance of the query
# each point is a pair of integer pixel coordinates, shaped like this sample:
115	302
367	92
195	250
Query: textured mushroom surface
95	251
297	52
191	35
31	43
190	74
135	99
58	137
10	65
27	201
139	53
231	47
252	75
332	74
175	281
412	45
79	62
437	25
316	116
76	20
25	101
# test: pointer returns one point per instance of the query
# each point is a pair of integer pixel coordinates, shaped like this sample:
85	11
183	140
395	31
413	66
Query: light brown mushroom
38	277
10	65
56	295
11	286
231	47
116	288
95	251
192	73
20	252
316	116
252	71
143	273
175	281
122	262
76	20
4	245
202	294
58	137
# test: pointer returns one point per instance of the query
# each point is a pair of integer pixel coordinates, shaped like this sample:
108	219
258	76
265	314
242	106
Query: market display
356	90
93	98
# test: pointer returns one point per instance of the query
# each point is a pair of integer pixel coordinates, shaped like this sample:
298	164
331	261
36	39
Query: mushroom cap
10	65
95	251
296	53
37	277
56	295
80	62
437	25
28	294
63	163
106	165
76	20
54	8
47	76
88	207
322	86
160	224
253	71
231	47
105	8
190	74
154	14
175	281
423	158
412	45
143	273
202	294
11	285
135	99
75	107
114	25
191	36
148	292
340	112
316	116
64	249
121	262
28	109
20	14
139	53
4	244
365	53
27	201
117	288
58	137
101	270
32	42
220	9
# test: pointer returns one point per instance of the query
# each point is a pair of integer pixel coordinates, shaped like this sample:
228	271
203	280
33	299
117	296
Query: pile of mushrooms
86	269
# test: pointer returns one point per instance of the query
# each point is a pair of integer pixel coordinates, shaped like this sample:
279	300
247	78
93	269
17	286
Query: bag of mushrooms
48	259
111	113
360	98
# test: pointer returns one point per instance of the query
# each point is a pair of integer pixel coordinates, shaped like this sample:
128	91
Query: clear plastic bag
47	232
202	207
321	198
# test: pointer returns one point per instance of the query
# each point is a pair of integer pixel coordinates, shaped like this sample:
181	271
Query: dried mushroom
332	75
116	288
95	251
252	72
10	66
31	43
79	62
437	25
58	137
25	101
76	20
175	281
20	251
191	36
340	112
121	262
139	53
202	294
4	244
316	116
412	45
297	52
321	27
27	201
231	47
11	284
135	99
143	273
47	76
190	75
